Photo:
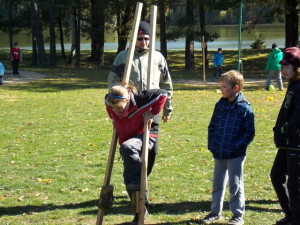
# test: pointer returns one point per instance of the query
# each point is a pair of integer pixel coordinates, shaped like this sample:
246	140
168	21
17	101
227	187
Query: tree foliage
92	18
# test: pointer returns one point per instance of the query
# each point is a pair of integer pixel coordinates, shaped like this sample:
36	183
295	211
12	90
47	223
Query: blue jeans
217	72
229	170
131	152
285	177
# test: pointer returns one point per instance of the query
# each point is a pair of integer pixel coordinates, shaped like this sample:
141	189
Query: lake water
228	39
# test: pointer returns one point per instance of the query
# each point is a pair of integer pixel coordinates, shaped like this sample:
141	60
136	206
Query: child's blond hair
117	92
233	77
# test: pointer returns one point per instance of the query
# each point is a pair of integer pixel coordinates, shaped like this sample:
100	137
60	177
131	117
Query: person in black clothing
285	173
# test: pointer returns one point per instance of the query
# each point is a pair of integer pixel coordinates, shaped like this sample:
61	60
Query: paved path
28	76
23	77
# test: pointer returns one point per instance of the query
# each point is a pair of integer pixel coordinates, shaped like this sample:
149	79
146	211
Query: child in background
285	173
230	131
2	71
218	61
274	68
129	110
15	57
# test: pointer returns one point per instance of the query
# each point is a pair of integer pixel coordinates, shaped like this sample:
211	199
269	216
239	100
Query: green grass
55	138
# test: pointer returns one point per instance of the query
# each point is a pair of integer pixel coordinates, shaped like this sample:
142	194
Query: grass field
55	138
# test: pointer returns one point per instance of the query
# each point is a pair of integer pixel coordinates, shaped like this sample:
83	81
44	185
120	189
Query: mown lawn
55	138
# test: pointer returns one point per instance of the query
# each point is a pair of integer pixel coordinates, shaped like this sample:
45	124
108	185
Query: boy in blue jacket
230	131
218	61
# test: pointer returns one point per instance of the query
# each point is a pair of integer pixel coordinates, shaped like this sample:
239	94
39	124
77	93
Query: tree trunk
61	38
10	23
162	29
203	28
123	30
97	33
291	23
72	22
34	58
78	31
52	35
189	44
36	21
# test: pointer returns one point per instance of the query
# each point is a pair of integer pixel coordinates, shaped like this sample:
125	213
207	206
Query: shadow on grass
121	206
210	87
57	86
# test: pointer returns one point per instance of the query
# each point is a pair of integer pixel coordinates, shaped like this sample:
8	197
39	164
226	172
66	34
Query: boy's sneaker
284	221
210	218
236	220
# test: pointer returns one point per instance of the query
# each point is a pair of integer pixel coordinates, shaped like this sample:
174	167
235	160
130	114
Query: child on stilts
128	110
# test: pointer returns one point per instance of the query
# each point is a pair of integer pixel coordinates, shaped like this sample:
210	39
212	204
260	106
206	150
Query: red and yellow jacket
133	124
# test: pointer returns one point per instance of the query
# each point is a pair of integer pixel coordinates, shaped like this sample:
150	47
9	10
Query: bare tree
97	31
37	34
291	23
189	41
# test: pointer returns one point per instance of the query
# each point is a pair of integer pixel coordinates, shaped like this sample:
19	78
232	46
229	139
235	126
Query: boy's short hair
233	77
15	43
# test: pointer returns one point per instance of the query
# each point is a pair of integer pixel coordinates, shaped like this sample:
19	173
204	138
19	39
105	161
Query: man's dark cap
220	49
144	28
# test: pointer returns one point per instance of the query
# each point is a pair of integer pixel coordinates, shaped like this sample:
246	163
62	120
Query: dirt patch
23	77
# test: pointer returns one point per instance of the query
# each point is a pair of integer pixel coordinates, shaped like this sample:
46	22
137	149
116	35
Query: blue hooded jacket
218	59
231	128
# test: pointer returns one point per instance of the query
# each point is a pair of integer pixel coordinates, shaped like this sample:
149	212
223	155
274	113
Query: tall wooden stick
106	190
134	31
143	185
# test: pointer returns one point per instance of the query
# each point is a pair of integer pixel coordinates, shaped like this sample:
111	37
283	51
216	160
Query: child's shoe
236	220
210	218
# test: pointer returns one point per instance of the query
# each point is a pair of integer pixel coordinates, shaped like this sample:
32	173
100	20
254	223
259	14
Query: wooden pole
134	31
145	150
106	189
203	44
106	186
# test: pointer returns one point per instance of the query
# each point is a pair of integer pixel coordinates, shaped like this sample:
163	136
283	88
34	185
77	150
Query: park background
55	133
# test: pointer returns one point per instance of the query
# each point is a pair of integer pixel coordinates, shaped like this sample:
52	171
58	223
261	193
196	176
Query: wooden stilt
107	190
143	185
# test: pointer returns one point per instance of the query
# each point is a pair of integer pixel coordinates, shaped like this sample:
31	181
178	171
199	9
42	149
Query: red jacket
133	124
15	53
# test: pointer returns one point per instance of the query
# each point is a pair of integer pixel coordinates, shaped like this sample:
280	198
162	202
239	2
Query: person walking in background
161	78
273	68
15	57
2	71
230	131
285	173
218	61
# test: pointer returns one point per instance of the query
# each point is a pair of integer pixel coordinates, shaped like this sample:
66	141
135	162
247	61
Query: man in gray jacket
160	79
